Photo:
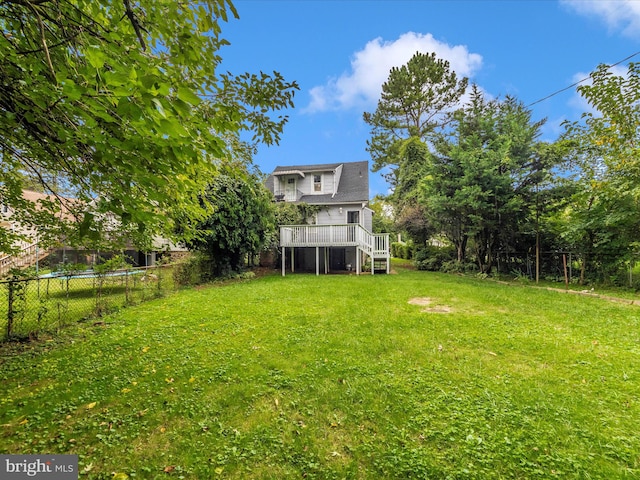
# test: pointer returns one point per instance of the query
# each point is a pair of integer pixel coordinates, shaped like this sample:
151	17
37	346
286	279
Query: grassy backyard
413	375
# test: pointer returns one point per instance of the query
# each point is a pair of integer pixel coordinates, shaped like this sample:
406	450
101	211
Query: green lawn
337	377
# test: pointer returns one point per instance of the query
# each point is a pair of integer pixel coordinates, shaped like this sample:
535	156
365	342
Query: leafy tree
382	215
241	223
601	226
602	219
609	137
119	105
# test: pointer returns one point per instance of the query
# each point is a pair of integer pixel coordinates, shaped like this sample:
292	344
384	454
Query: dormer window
317	182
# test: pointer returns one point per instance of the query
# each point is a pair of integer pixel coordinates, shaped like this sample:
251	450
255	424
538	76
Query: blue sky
340	52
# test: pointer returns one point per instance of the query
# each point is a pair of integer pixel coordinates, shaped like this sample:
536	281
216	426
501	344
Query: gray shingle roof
353	186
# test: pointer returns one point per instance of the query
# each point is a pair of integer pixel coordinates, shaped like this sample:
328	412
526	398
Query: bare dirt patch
426	302
438	309
420	301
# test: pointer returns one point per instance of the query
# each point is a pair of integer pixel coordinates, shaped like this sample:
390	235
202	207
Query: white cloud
618	15
361	86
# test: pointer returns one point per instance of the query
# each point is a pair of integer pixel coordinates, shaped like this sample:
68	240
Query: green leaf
187	95
95	56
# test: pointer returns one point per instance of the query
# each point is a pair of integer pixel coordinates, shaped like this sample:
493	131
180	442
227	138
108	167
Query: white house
340	237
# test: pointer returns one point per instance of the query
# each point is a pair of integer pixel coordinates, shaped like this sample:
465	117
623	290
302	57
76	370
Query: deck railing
352	234
26	257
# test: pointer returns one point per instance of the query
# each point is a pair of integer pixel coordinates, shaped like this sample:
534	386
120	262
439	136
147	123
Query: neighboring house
30	252
340	237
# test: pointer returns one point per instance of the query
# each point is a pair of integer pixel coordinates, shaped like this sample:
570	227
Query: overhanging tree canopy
118	104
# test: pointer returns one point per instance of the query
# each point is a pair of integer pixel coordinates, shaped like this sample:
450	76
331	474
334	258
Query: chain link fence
29	306
615	270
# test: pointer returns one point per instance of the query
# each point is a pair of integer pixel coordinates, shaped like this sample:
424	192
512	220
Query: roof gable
352	179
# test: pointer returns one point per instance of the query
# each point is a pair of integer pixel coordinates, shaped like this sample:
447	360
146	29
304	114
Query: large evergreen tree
476	187
414	102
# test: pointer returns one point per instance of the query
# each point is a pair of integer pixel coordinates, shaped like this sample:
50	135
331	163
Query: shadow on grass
90	293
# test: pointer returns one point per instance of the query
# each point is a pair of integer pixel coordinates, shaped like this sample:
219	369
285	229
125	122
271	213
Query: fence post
126	288
10	309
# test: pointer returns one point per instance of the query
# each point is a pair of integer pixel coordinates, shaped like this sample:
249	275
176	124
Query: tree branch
64	41
27	3
43	38
134	21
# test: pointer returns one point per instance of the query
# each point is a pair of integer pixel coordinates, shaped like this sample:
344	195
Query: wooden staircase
26	257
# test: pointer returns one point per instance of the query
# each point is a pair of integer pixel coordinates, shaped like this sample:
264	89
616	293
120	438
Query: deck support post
326	260
292	260
283	259
317	260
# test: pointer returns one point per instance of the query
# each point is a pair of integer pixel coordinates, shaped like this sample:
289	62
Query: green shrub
433	258
198	268
72	268
116	262
194	269
402	250
454	266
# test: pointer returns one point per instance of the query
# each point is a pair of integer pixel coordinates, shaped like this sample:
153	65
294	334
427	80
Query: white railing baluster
374	245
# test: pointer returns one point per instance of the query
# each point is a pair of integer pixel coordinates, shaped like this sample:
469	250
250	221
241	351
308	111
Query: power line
579	81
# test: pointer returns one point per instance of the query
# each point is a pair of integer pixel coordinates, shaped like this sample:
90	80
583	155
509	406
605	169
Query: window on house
317	183
353	217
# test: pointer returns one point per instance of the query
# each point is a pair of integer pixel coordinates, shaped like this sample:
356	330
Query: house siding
332	215
343	199
328	184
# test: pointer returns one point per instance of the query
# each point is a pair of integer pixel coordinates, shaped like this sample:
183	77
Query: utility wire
579	81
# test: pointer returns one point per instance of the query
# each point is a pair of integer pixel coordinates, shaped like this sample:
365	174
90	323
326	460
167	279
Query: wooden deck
376	246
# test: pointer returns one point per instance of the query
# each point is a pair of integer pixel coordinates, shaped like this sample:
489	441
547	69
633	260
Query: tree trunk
461	248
